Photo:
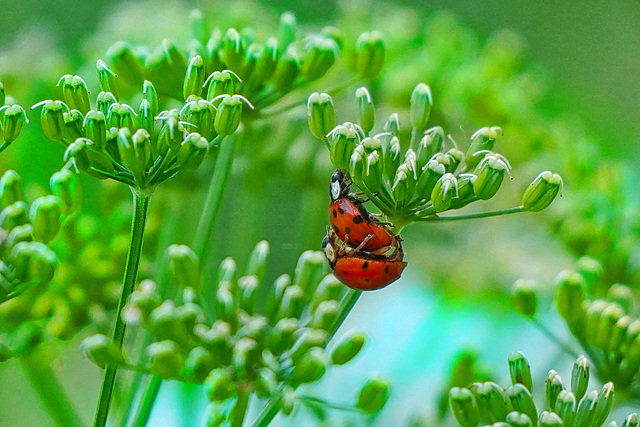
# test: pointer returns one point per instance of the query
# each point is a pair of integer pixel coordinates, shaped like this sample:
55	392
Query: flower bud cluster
12	118
604	319
488	404
141	146
261	70
240	344
432	175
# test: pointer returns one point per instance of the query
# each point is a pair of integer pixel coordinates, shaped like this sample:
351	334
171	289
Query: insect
363	270
350	220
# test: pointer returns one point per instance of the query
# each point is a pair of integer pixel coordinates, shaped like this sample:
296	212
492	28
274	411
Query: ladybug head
329	251
338	187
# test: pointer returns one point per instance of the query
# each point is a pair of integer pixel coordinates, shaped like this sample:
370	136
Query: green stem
149	395
140	209
316	401
547	333
435	218
240	409
273	406
214	196
51	392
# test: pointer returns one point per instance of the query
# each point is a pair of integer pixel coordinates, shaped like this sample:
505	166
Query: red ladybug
351	221
362	270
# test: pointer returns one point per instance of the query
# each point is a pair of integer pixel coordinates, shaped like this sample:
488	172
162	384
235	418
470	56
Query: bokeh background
580	65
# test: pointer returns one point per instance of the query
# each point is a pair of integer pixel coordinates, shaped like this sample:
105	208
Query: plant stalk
140	209
50	391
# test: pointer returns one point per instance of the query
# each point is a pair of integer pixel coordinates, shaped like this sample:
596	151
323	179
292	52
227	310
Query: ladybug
362	270
350	220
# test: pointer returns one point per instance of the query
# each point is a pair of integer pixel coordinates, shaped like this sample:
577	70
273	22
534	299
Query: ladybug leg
364	242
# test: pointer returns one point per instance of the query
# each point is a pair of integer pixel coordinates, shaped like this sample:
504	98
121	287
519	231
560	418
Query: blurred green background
587	53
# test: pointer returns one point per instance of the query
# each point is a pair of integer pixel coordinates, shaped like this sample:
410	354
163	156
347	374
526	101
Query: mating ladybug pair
363	253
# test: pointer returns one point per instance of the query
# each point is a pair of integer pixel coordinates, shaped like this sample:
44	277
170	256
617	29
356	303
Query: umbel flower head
433	175
241	346
141	146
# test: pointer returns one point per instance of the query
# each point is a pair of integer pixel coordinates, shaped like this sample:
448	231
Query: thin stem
51	392
547	333
435	218
140	209
214	196
149	395
240	409
273	406
316	401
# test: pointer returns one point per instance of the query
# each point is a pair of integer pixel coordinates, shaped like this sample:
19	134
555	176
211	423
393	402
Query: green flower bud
605	324
289	400
553	387
519	370
246	353
150	94
175	59
490	174
580	377
328	289
14	118
201	114
586	409
199	28
75	93
217	340
401	187
542	191
184	266
102	351
268	59
33	261
603	404
429	145
194	78
373	172
227	270
146	117
432	172
164	359
229	115
311	366
192	152
365	109
287	29
107	78
21	233
622	295
95	128
258	260
125	63
73	122
309	270
517	419
232	50
522	401
45	217
14	215
321	53
631	421
121	116
373	395
266	383
464	407
104	100
292	302
52	119
220	83
549	419
165	323
491	396
565	407
141	303
219	385
135	152
225	304
309	338
325	315
287	71
198	363
342	142
282	336
10	188
370	52
619	334
2	95
443	192
348	347
453	159
569	299
421	102
482	142
320	114
524	297
247	293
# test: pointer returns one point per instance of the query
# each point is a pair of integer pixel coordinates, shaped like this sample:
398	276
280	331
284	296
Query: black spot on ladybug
358	219
335	214
340	210
347	230
365	265
336	229
345	272
386	268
